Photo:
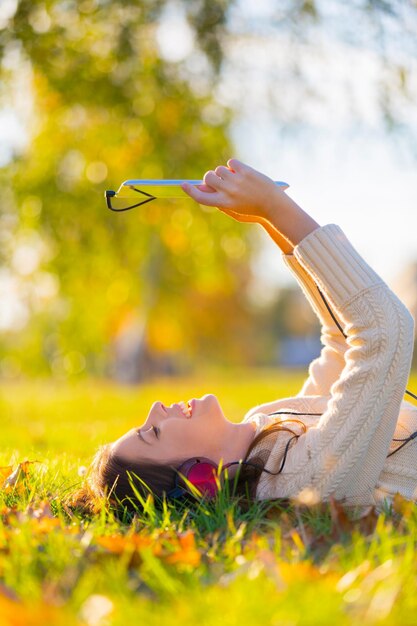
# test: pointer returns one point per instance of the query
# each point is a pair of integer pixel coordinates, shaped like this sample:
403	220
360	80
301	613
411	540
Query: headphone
201	475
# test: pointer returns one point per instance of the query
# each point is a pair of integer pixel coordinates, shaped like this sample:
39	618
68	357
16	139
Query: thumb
203	194
188	189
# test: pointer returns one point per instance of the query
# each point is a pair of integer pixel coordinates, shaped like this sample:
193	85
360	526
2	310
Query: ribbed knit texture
358	383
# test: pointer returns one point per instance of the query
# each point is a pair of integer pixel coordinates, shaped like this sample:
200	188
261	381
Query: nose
156	412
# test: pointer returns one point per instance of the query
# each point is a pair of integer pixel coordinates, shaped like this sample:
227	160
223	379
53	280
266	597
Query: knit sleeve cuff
334	264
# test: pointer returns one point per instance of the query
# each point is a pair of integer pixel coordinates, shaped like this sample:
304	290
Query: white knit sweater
357	383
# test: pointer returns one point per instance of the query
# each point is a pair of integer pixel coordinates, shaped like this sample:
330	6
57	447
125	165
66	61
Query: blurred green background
103	91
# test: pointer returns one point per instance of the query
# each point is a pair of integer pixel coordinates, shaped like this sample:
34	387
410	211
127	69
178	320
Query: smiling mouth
186	408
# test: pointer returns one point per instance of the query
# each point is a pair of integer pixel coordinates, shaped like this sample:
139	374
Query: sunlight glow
174	37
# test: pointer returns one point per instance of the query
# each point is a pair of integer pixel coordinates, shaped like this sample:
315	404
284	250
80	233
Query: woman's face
178	432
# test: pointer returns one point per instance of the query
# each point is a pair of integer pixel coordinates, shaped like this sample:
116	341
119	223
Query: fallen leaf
341	524
45	525
119	544
184	557
22	470
186	552
5	472
302	571
367	521
402	506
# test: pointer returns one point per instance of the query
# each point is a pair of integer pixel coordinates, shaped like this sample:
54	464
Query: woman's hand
249	196
238	190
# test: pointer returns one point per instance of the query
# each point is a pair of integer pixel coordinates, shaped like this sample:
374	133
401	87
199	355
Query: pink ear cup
203	477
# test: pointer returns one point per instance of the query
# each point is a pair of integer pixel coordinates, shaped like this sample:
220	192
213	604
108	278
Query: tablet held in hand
135	192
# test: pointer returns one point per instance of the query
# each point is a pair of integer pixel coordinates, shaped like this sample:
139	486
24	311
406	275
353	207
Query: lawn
217	563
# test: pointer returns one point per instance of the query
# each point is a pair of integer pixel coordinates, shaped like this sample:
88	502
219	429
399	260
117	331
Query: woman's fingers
236	165
224	172
211	179
206	188
202	194
215	187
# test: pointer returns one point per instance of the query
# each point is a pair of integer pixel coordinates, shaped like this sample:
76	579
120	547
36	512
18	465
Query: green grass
216	563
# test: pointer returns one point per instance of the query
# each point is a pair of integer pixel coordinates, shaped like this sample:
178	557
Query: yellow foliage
165	332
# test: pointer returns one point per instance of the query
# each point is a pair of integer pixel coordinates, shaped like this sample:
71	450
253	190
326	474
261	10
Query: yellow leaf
295	536
402	506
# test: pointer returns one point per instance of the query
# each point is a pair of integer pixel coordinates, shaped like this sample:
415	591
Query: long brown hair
112	480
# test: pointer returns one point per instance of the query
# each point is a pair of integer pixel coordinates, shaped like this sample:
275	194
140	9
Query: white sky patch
12	135
7	10
14	313
174	36
17	104
337	83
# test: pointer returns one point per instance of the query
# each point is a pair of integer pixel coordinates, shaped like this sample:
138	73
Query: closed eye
155	430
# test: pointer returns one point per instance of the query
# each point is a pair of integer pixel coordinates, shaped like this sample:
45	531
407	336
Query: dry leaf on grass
402	506
11	479
174	549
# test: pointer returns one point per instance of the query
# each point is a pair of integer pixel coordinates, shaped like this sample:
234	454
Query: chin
210	399
211	405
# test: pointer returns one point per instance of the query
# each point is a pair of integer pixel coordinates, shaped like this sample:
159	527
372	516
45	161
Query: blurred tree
110	102
110	90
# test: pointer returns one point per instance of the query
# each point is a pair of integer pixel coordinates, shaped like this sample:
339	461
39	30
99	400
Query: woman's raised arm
248	196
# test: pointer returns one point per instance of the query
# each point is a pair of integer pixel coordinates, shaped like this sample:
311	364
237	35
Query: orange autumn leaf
113	543
184	557
18	489
187	540
12	478
15	613
402	506
45	525
341	524
186	552
5	511
298	572
179	549
117	544
5	472
25	466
